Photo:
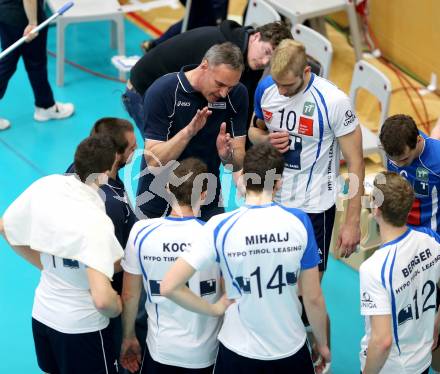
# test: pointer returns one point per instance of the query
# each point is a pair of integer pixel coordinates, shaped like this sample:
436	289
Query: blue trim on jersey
321	136
427	231
180	218
264	84
393	302
382	273
312	78
139	257
200	221
398	239
310	257
252	206
216	232
234	283
325	106
157	317
140	231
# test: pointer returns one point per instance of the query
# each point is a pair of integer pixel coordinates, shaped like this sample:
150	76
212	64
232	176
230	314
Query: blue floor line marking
23	158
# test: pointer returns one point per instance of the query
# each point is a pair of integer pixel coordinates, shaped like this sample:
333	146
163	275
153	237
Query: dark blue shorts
229	362
149	366
323	226
60	353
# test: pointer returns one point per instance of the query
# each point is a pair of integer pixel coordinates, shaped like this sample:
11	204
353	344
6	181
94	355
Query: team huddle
177	285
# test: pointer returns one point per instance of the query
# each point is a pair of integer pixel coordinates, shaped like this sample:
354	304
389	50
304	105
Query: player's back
406	271
176	336
262	250
62	298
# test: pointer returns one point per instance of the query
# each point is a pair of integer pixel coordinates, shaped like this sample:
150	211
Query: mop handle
20	41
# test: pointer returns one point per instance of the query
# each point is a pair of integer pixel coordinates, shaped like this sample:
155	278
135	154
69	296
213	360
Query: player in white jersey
178	341
74	299
398	286
265	250
310	121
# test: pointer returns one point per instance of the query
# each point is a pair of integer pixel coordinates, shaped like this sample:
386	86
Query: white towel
64	217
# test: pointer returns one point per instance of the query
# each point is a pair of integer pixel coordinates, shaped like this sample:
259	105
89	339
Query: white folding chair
300	10
98	10
317	46
259	13
87	11
370	78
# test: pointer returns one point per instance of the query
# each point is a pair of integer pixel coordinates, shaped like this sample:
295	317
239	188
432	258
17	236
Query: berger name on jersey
314	118
400	279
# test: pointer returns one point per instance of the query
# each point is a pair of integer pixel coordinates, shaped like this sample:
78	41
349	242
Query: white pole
20	41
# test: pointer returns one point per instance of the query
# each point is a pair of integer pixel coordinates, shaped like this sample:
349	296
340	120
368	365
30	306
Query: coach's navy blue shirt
169	105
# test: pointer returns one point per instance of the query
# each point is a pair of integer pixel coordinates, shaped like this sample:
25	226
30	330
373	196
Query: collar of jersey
398	239
180	218
312	78
184	80
250	206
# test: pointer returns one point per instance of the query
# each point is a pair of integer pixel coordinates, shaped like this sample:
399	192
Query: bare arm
159	153
379	345
30	8
105	298
315	307
350	233
130	348
173	287
30	255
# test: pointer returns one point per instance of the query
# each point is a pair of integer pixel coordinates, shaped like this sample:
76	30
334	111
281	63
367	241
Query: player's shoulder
266	83
372	266
293	212
425	233
331	93
430	154
219	220
144	224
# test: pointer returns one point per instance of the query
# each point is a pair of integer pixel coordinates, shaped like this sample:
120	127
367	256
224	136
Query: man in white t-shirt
178	341
310	121
398	286
264	251
59	225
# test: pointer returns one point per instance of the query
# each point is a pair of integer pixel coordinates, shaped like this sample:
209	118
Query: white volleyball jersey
176	336
63	300
314	118
261	251
400	279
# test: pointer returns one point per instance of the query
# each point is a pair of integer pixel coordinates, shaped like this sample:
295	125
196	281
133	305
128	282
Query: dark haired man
178	341
256	46
263	261
397	286
117	205
59	225
413	155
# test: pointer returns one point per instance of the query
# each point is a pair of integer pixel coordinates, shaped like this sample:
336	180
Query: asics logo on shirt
183	103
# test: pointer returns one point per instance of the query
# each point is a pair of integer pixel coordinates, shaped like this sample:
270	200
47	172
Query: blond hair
289	56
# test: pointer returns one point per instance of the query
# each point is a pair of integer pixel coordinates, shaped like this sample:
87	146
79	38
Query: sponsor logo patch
422	174
309	108
305	126
267	115
349	118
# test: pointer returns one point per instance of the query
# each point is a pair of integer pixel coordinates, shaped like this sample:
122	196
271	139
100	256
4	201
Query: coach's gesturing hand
198	121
